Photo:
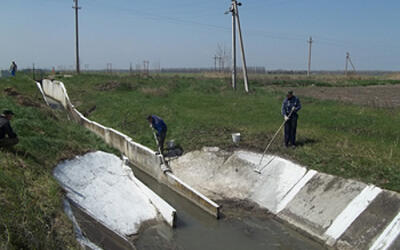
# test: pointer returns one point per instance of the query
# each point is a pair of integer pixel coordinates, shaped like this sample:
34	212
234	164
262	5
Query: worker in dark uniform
159	125
291	105
7	136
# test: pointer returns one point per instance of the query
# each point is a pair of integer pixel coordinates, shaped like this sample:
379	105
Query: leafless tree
223	56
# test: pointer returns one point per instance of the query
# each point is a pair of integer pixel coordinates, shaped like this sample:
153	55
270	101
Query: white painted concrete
388	236
351	212
225	175
100	184
41	91
295	190
166	210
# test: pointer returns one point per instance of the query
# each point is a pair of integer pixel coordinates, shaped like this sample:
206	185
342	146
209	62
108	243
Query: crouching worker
7	136
159	125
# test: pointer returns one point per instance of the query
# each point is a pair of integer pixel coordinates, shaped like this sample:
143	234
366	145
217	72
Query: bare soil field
382	96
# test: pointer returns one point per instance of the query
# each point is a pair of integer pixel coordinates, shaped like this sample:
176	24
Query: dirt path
383	96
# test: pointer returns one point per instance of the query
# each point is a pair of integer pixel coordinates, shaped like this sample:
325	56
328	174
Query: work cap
8	112
290	92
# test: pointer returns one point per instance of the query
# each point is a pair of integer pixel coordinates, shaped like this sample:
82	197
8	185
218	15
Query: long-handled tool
164	165
269	144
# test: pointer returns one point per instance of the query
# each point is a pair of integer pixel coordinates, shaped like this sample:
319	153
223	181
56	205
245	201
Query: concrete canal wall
342	213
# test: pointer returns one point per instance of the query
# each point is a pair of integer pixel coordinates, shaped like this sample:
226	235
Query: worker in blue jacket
290	106
159	125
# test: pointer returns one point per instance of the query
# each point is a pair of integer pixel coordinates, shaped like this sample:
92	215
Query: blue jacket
158	124
288	104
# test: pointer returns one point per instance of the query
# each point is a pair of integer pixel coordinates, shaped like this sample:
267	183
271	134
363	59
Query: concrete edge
42	92
88	213
193	195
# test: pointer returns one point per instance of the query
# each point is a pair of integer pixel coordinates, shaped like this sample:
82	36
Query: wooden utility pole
77	8
310	41
236	24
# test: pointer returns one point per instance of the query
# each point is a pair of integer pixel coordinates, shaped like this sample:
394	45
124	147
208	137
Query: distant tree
223	56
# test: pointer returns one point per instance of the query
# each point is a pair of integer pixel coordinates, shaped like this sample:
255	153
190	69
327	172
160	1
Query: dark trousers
290	131
8	142
161	139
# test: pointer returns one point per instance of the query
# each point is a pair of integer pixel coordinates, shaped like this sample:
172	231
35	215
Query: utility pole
215	62
310	41
33	71
130	69
236	24
232	9
109	68
77	8
245	78
348	60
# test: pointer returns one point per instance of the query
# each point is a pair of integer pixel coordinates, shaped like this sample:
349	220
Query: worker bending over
291	105
159	125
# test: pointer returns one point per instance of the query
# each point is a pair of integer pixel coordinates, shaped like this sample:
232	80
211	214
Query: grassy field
347	140
31	210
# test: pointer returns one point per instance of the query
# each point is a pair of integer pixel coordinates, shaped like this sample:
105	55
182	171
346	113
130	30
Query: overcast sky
185	33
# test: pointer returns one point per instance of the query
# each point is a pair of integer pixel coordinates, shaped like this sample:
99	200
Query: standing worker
5	129
13	68
290	106
159	125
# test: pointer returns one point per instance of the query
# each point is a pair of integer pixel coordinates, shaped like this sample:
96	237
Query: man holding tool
159	125
290	106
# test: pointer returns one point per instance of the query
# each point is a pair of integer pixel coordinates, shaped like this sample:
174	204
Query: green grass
31	210
346	140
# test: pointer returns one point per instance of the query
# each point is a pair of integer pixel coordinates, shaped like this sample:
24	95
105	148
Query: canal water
243	228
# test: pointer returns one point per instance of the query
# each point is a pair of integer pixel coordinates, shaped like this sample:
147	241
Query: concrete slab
320	202
388	236
350	213
278	177
396	244
100	184
221	174
372	222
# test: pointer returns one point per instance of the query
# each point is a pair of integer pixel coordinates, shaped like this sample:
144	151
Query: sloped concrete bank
344	214
141	156
103	189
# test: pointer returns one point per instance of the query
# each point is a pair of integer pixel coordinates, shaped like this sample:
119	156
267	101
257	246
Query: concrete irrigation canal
115	210
213	199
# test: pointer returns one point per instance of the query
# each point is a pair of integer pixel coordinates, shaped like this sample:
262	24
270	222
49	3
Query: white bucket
236	138
171	144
